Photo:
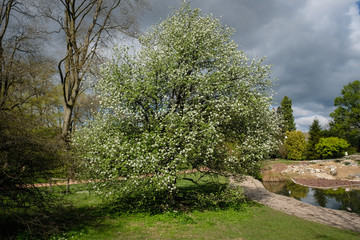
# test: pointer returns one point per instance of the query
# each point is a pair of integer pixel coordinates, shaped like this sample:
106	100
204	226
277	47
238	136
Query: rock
333	171
324	176
353	176
310	170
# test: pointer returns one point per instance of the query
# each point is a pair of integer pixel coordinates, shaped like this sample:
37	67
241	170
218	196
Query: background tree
315	133
87	25
5	79
286	111
188	99
295	145
346	117
20	40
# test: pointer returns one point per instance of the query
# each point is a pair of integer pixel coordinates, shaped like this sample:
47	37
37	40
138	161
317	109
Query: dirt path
255	191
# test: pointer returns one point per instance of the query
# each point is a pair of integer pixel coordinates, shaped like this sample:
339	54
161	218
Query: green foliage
315	133
287	114
346	117
206	195
331	147
26	155
188	99
295	145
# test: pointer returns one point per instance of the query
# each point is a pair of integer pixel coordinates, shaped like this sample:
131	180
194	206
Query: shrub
331	147
295	145
26	155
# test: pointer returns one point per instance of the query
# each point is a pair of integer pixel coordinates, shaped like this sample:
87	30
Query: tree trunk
66	130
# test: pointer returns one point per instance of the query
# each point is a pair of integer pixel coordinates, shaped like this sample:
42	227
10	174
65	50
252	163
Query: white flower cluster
188	99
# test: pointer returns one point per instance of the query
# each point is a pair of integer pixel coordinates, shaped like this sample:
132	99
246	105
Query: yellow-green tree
331	147
295	145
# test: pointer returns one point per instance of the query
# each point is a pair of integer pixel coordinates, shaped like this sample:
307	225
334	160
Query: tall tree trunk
66	130
86	24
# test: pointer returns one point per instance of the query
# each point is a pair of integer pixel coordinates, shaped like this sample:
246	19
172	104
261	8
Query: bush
26	155
295	145
331	147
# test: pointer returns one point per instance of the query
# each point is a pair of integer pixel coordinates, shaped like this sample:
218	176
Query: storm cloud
312	45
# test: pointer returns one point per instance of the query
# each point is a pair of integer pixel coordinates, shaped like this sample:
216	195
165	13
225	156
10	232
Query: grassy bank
252	222
86	216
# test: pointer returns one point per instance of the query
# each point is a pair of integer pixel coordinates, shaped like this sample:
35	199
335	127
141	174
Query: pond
336	198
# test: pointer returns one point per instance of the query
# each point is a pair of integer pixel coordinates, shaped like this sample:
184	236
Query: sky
312	45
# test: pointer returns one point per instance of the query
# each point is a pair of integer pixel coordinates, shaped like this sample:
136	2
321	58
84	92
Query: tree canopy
188	99
346	117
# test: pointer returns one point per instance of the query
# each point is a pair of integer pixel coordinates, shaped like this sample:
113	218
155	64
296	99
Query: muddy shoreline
327	183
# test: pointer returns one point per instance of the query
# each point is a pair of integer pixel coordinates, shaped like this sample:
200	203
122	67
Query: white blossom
187	99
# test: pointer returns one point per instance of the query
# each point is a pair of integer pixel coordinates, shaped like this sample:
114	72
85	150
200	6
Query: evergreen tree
315	135
287	113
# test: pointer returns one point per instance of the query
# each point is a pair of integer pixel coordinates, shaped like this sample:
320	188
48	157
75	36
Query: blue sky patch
358	4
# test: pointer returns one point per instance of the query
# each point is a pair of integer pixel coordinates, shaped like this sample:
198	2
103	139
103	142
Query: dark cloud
313	45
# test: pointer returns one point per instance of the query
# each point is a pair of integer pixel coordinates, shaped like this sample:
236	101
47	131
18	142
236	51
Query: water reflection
337	198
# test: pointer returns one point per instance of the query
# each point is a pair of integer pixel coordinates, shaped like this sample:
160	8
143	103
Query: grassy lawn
87	217
252	221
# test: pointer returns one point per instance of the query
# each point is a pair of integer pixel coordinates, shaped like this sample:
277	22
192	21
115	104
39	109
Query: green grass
87	217
253	222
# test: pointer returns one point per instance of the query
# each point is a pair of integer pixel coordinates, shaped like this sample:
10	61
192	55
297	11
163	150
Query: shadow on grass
82	210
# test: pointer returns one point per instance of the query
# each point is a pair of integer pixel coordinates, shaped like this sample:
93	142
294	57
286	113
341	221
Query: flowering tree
188	99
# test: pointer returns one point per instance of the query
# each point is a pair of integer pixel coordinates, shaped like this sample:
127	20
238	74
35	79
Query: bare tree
6	58
19	38
87	25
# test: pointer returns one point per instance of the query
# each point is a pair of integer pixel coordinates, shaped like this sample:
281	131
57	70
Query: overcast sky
313	45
